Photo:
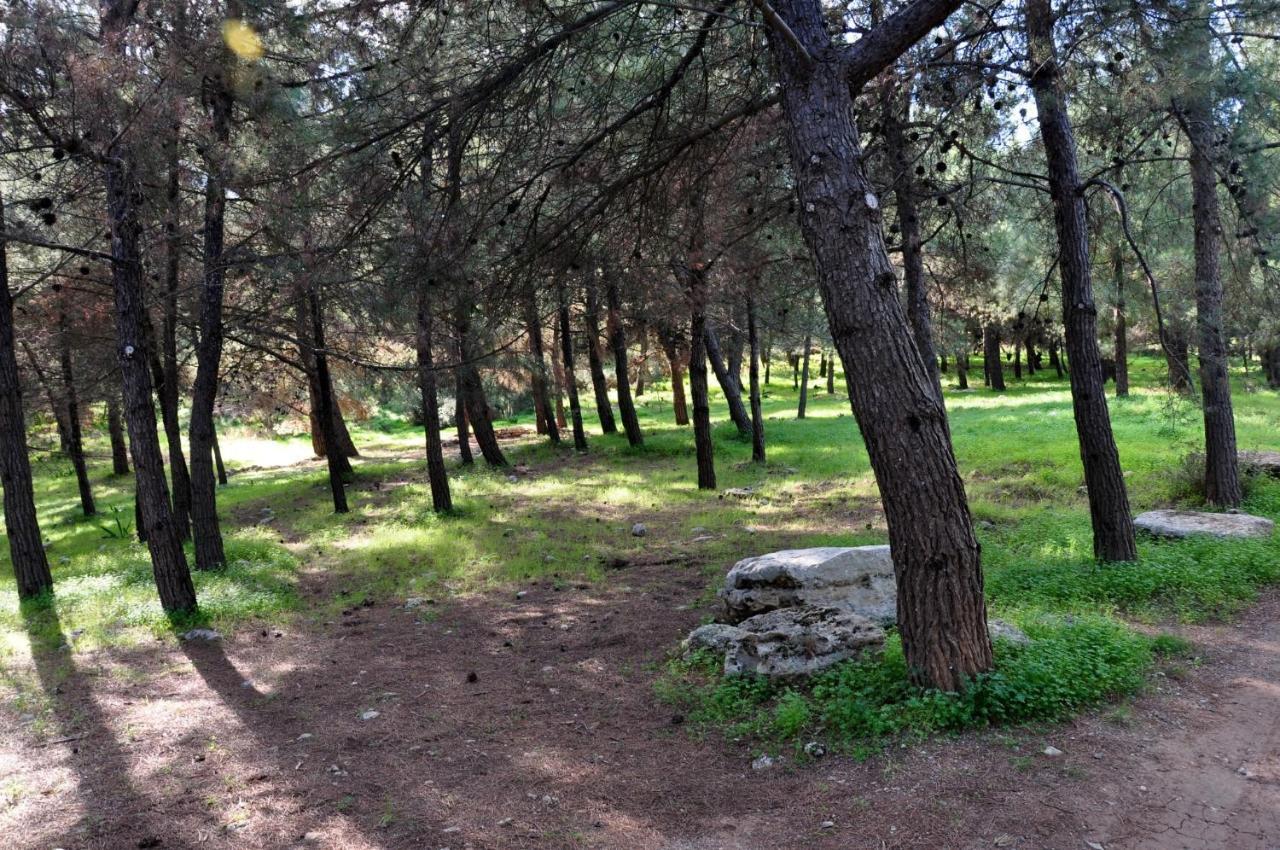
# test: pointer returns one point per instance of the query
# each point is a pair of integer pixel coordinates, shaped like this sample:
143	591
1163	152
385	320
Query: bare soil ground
531	723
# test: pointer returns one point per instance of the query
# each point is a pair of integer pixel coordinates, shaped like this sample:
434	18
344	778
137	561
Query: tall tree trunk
831	376
460	419
642	366
1122	327
537	356
328	427
441	498
307	355
962	370
164	366
71	404
768	360
22	528
473	392
679	404
895	111
991	357
941	613
1178	359
757	416
168	561
557	374
206	531
115	433
804	377
599	384
618	342
1017	357
1222	473
703	446
731	388
1113	532
570	374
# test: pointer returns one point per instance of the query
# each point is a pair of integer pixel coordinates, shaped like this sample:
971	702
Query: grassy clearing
567	517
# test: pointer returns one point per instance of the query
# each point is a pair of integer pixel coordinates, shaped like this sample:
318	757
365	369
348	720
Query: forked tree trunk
1221	463
437	475
22	528
991	362
941	613
205	529
618	343
115	433
473	394
168	561
804	378
538	367
757	416
728	385
71	406
570	374
599	383
1113	531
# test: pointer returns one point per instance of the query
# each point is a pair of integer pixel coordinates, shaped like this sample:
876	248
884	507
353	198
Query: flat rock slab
1264	463
1188	523
858	579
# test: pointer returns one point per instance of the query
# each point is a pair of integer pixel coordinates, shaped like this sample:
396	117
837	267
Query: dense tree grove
277	211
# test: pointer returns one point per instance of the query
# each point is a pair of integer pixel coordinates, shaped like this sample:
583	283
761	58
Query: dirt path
531	723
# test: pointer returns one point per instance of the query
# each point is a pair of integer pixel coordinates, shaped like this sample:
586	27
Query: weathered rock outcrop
1188	523
1261	463
857	579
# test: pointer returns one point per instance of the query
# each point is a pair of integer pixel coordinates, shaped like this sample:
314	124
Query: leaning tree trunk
441	499
115	433
538	364
618	343
1113	532
328	429
679	404
599	384
307	356
22	528
1221	464
71	405
757	416
206	531
991	357
729	384
941	613
570	374
473	395
168	561
804	378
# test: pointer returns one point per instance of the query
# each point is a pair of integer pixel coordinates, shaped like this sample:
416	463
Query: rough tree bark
1222	472
703	446
460	419
335	460
757	416
1113	532
804	377
115	433
538	364
206	531
941	613
164	366
124	197
618	342
71	406
599	383
473	395
441	499
570	374
22	528
991	362
307	357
